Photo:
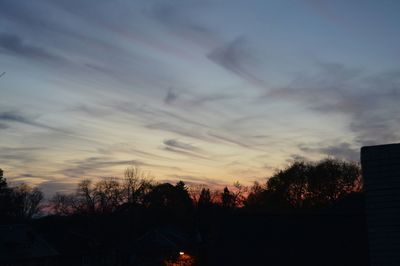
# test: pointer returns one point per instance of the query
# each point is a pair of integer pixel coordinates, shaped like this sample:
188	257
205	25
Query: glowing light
181	253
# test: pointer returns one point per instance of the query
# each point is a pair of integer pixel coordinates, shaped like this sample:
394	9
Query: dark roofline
380	146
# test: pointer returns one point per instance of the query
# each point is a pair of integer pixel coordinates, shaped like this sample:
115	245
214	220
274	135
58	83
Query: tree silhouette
330	180
63	204
136	185
227	199
85	197
290	185
256	196
5	196
205	199
3	181
315	184
169	197
21	202
26	201
107	195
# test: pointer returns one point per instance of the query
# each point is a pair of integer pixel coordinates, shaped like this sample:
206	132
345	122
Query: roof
20	242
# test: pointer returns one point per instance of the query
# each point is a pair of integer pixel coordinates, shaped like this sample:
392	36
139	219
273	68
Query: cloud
12	116
168	127
85	49
235	57
181	145
95	165
198	133
90	110
174	18
202	99
51	187
125	148
151	113
343	150
268	167
13	44
25	176
170	97
230	140
25	155
189	99
185	153
295	158
180	118
82	167
369	100
3	126
194	180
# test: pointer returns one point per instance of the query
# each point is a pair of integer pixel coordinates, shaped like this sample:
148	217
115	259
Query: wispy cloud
3	126
90	110
230	140
186	149
185	153
368	99
189	99
19	155
93	166
179	130
163	84
16	117
155	114
181	145
295	158
50	187
234	57
343	150
195	180
170	97
14	45
79	168
127	149
174	17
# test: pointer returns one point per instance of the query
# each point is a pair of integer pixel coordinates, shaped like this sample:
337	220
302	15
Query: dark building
20	245
381	172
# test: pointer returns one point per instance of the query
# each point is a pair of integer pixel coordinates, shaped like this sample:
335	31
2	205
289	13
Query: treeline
20	202
300	185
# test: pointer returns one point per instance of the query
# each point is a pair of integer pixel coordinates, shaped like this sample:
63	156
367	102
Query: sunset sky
202	91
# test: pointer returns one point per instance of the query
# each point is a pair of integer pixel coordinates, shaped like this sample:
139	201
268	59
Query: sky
207	92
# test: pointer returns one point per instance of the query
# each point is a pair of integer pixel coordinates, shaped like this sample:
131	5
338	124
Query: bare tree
26	200
108	195
239	193
63	204
85	197
234	197
195	191
255	196
136	184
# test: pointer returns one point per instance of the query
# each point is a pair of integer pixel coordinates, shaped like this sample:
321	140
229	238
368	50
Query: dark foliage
307	184
18	203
